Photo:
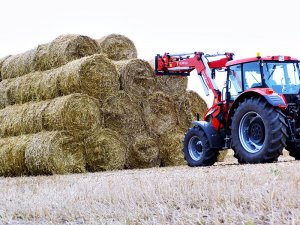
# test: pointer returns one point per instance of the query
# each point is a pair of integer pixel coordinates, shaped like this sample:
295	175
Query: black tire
258	132
293	151
196	148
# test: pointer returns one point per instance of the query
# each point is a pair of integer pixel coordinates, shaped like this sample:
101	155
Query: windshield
282	77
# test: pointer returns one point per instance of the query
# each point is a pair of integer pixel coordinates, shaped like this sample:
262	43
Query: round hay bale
105	150
60	51
1	63
136	77
18	65
117	47
4	85
12	155
64	49
143	153
170	146
54	153
172	85
187	108
76	112
122	113
93	75
222	155
159	113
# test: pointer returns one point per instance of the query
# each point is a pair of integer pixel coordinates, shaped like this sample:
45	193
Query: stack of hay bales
50	104
78	104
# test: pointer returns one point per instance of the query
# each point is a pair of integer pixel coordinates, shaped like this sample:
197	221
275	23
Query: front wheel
196	149
259	132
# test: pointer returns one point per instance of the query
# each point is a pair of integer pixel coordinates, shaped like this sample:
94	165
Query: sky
157	26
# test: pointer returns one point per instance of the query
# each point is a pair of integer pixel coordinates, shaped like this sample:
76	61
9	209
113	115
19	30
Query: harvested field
54	153
159	113
93	75
117	47
74	112
142	153
136	77
60	51
223	194
105	150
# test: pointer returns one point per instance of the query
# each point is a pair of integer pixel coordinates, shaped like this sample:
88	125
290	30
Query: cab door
234	82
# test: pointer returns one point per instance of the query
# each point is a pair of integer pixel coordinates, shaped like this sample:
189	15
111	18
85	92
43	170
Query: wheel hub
257	131
252	132
195	148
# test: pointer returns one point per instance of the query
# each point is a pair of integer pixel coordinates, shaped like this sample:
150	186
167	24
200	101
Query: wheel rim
195	148
252	132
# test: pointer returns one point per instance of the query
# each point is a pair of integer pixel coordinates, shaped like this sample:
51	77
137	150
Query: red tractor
256	113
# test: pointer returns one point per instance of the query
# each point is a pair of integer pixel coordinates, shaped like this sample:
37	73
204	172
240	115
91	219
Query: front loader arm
183	64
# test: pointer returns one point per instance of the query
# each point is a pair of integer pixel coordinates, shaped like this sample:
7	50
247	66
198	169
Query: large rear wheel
259	132
196	149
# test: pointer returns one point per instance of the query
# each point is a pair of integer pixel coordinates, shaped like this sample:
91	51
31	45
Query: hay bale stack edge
60	51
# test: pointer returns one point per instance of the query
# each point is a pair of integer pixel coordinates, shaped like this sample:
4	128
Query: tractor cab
279	73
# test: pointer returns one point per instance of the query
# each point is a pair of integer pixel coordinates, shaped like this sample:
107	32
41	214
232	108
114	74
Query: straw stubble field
226	193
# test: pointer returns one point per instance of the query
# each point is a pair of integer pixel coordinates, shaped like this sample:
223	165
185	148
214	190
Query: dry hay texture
105	150
143	153
74	112
60	51
173	86
12	155
188	106
159	113
122	113
1	63
136	77
117	47
222	155
93	75
54	153
41	153
170	146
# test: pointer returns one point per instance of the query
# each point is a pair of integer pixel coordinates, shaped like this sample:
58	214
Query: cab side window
252	75
235	79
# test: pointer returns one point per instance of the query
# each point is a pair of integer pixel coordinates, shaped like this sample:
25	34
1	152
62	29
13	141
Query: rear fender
214	139
272	98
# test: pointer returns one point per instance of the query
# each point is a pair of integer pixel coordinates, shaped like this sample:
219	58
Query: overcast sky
157	26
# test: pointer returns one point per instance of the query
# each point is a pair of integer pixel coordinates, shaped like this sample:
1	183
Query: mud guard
214	139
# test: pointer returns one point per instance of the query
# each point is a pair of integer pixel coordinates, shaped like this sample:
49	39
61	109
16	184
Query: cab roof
267	58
